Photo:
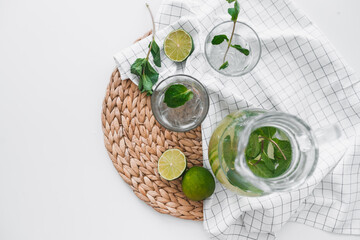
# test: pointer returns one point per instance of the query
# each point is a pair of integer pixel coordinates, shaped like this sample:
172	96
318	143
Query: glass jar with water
254	152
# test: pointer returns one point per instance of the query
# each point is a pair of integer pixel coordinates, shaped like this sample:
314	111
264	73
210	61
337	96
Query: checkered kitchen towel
299	73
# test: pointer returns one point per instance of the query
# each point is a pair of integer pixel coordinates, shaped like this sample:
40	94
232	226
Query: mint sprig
263	162
142	67
218	39
177	95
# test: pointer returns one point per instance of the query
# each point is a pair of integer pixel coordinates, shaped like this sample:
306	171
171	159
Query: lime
198	183
171	164
178	45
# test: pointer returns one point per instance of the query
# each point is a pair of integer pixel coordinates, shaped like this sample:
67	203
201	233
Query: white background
56	180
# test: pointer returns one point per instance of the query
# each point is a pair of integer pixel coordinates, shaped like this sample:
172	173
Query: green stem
272	141
229	44
153	35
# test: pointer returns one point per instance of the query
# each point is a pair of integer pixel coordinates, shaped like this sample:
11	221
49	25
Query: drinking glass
186	117
239	64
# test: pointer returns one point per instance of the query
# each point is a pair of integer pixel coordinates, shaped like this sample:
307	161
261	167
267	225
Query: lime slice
178	45
172	164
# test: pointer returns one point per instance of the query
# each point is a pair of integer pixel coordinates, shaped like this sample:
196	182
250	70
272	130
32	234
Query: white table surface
56	180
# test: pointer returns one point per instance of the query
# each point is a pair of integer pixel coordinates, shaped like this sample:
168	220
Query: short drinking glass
186	117
239	64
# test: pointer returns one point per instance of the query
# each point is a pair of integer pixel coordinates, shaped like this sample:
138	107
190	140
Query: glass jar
238	126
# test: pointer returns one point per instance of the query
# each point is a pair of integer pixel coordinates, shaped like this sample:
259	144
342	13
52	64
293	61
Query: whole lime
198	183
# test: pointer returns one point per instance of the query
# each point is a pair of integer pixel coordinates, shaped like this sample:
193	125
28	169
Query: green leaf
281	168
218	39
234	12
224	65
253	147
177	95
268	162
155	52
261	170
137	67
244	51
148	75
266	131
228	152
236	180
230	1
283	164
285	147
146	84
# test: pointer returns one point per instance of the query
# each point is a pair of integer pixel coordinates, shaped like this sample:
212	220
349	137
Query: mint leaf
234	12
281	168
268	162
148	75
236	180
218	39
283	164
155	52
230	1
266	131
285	147
137	66
177	95
146	84
228	152
260	170
253	147
224	65
244	51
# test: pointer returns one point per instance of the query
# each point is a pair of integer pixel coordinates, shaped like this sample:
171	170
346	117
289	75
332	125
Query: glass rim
246	70
200	119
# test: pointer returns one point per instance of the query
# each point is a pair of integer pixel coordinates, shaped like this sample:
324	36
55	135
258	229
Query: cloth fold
299	73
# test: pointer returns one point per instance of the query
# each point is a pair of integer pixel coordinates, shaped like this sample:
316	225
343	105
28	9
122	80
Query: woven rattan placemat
135	141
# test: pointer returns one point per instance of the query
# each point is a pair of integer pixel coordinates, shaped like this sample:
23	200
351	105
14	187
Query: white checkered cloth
299	73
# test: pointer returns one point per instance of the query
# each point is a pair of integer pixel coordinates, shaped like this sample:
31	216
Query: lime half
171	164
178	45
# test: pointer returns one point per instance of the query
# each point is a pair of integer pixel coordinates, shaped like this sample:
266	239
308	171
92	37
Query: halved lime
178	45
171	164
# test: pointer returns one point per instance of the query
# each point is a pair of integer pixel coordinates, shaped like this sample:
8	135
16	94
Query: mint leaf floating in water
224	65
177	95
218	39
254	146
142	67
244	51
228	153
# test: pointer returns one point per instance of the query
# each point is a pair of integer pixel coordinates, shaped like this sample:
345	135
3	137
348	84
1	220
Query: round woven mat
135	141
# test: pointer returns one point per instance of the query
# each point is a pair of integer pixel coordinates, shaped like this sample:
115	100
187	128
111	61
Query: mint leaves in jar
268	153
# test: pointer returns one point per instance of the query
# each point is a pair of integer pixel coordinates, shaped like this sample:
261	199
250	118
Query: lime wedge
178	45
171	164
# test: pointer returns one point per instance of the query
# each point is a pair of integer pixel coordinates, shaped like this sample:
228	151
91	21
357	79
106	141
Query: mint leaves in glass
180	103
218	39
232	48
